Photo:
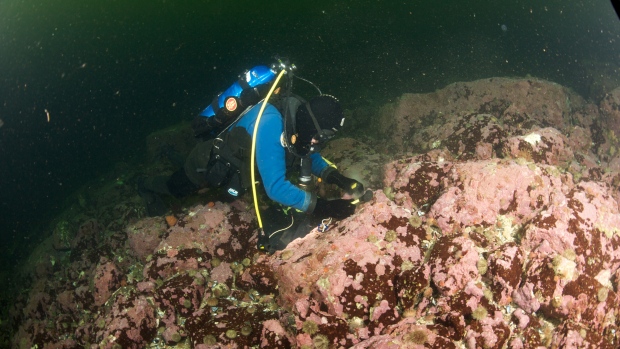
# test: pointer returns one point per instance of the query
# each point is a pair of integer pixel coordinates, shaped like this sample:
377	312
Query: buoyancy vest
229	164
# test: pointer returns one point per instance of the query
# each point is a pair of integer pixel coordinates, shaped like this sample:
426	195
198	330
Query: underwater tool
324	225
305	174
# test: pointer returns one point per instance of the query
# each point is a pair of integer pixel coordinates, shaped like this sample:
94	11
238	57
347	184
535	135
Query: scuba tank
230	98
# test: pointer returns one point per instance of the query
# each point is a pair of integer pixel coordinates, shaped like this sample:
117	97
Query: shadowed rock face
494	223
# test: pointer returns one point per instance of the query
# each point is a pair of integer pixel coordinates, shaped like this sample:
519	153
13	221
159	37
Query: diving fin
155	206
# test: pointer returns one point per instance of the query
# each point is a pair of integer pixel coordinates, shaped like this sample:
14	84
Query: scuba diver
249	124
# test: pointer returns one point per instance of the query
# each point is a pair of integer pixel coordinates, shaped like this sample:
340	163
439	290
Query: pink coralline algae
144	236
274	335
515	103
346	285
494	224
129	323
453	264
107	279
486	239
546	146
496	192
222	231
610	108
533	248
549	245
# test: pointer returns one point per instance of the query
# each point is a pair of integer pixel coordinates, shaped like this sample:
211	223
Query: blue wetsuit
271	158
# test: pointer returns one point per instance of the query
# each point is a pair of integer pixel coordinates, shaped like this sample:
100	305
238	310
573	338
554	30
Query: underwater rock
223	231
229	325
259	276
496	193
274	335
494	224
454	264
504	266
63	236
106	280
343	280
38	300
357	160
474	136
130	323
144	236
416	121
415	182
544	146
87	236
408	334
488	221
177	139
610	109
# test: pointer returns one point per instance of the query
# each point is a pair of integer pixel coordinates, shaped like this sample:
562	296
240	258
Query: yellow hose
253	152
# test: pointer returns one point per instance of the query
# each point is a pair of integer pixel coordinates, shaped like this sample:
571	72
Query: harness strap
225	154
316	123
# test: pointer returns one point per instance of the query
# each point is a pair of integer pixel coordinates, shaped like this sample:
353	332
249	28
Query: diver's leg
157	184
197	163
286	227
148	189
174	157
178	185
181	183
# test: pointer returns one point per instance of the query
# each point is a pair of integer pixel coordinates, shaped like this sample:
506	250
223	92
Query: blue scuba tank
258	75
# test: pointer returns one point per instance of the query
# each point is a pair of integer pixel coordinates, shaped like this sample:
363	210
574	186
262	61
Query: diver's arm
271	162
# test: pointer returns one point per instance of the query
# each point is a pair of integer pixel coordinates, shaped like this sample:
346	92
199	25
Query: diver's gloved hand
338	209
349	185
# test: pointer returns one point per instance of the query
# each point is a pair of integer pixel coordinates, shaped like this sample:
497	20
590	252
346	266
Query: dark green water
111	72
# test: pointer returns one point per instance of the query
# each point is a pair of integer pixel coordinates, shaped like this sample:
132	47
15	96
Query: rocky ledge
494	224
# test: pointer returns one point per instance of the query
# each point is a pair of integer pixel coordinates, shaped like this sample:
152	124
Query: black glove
338	209
204	127
349	185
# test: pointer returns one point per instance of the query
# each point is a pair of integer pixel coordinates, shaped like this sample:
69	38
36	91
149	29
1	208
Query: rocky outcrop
495	223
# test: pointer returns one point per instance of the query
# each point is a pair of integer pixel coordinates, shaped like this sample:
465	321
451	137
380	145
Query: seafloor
494	224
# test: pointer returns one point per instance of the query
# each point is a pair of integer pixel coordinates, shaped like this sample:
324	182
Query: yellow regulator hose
253	152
